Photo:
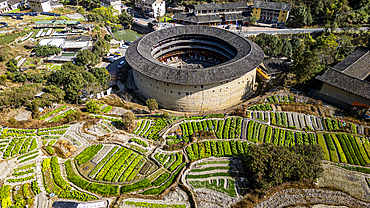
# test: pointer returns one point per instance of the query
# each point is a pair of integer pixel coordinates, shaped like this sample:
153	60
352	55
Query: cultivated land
202	153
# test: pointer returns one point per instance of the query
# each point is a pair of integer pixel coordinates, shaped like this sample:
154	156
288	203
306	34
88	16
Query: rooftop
249	55
272	5
208	18
52	42
274	66
232	5
351	74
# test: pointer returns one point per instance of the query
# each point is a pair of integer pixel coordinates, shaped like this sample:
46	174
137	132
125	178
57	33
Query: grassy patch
5	39
230	190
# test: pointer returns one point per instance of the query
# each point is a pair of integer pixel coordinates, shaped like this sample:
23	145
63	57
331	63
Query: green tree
152	104
302	15
270	44
305	64
268	165
102	75
327	47
101	47
125	19
56	92
295	42
93	106
253	20
108	37
47	50
128	121
86	58
286	48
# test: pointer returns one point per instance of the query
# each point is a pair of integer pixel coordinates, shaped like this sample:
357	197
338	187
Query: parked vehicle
120	65
117	53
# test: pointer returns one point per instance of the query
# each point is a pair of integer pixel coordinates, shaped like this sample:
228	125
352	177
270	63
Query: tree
128	121
268	165
345	48
11	65
305	64
101	47
108	37
86	58
270	44
47	50
125	19
152	104
295	42
56	92
286	48
93	106
253	20
102	75
301	15
327	47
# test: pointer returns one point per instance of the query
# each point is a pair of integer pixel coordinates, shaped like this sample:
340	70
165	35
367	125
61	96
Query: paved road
113	67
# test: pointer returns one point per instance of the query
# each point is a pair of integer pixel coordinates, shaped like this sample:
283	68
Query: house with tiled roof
274	12
153	8
214	14
348	82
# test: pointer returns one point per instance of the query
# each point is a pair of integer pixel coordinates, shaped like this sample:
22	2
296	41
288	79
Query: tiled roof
274	66
232	5
208	18
13	2
345	82
356	65
249	56
272	5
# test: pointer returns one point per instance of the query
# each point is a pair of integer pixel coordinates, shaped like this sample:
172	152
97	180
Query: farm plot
153	128
19	146
229	128
218	176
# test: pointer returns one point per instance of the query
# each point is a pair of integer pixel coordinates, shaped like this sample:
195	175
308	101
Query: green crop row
73	177
139	126
226	174
161	179
25	167
53	112
106	109
17	180
54	128
153	205
130	168
50	150
116	166
171	180
88	153
211	168
23	172
261	107
19	131
321	142
104	170
102	162
61	116
342	156
28	158
140	142
136	186
35	188
331	147
362	151
51	132
26	155
176	163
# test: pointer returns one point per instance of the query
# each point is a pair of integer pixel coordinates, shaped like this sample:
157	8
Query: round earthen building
194	68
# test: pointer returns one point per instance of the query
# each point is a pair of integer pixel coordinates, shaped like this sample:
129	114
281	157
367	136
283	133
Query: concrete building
116	4
40	5
9	5
214	14
273	12
348	82
194	68
153	8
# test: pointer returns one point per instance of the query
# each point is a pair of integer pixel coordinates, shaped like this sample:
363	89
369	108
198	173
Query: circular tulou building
194	68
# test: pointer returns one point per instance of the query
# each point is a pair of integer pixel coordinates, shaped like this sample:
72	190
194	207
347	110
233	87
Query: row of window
219	10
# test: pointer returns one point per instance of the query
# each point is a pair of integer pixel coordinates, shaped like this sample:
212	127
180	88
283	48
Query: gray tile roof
345	82
356	65
208	18
149	1
13	2
275	66
232	5
249	56
272	5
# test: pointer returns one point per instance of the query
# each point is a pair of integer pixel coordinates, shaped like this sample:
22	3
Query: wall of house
40	7
257	13
283	16
197	98
343	96
159	8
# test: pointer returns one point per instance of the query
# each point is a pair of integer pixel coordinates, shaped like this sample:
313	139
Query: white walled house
154	8
4	7
40	5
